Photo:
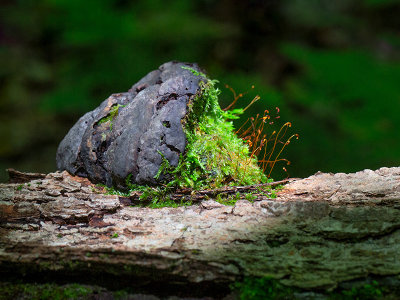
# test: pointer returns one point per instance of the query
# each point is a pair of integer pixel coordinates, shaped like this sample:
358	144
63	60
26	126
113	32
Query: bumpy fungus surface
167	127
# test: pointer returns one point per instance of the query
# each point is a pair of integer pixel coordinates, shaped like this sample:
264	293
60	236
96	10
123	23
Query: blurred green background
332	67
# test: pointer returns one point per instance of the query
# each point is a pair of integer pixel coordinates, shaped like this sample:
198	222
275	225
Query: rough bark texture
318	232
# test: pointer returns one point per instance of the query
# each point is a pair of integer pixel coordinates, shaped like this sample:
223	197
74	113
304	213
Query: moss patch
253	288
44	291
111	115
214	155
261	288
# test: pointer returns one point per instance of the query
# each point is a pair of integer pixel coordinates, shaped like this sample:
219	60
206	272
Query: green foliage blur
332	67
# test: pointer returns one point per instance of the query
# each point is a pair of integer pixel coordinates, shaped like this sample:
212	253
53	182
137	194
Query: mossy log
316	234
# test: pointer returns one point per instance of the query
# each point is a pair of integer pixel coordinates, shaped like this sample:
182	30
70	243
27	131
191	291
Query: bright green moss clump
214	155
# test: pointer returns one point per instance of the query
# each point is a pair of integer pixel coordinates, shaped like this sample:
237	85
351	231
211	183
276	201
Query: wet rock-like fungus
130	135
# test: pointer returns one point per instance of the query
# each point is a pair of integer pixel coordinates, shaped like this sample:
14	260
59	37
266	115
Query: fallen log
318	233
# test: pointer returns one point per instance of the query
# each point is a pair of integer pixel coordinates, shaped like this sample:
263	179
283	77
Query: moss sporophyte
215	156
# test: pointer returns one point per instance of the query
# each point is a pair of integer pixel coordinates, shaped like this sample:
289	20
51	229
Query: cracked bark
318	232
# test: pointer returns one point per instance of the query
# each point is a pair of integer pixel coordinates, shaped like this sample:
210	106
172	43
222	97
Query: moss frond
214	155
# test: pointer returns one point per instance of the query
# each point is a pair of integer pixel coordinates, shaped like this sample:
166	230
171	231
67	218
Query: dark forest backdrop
332	67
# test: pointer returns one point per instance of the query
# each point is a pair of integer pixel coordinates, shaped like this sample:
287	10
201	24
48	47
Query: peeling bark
318	232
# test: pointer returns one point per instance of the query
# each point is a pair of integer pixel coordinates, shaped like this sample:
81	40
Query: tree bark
318	232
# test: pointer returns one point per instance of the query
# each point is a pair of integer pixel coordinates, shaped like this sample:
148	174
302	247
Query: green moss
121	294
166	202
112	190
110	116
71	265
262	288
214	155
228	200
268	288
366	291
43	291
250	197
271	192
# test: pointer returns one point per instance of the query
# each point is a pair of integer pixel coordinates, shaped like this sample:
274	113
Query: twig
197	196
234	189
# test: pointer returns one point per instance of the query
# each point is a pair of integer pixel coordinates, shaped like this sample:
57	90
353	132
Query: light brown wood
318	232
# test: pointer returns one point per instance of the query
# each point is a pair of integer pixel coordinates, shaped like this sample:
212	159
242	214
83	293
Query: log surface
318	232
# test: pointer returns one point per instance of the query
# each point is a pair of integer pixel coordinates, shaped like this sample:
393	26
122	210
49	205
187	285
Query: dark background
332	67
